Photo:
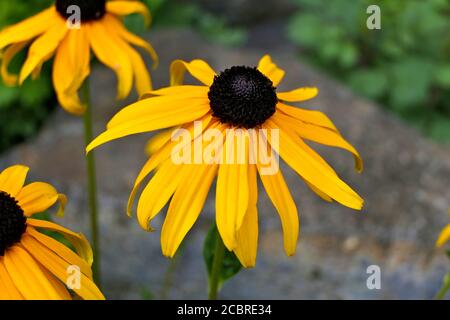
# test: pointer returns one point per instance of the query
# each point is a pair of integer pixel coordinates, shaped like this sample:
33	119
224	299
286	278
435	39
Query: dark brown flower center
243	97
12	222
89	9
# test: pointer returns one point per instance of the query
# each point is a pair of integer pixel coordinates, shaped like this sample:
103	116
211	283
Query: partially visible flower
34	266
53	33
239	99
444	236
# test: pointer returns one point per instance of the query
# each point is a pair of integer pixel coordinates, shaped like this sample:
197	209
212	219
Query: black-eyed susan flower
33	265
444	236
240	99
56	32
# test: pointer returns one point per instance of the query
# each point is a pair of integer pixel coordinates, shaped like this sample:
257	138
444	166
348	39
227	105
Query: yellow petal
158	157
270	70
43	48
57	285
247	236
187	91
61	250
232	192
300	94
444	236
139	118
79	242
319	135
313	171
124	8
309	116
27	275
37	197
108	51
117	26
158	141
8	290
29	28
199	69
158	192
59	268
281	197
8	55
12	179
70	69
186	205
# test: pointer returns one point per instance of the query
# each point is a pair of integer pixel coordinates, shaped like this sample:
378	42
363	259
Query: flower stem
219	253
92	182
445	287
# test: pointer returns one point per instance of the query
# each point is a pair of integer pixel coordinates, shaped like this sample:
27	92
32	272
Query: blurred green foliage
23	109
190	14
405	66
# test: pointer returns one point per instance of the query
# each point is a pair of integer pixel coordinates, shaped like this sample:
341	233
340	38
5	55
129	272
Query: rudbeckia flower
54	32
242	98
34	266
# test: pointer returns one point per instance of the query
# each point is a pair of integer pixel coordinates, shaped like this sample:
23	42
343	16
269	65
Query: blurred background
388	90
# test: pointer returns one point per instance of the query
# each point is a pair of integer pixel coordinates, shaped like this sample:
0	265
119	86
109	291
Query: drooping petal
58	267
158	192
149	115
8	55
319	135
186	205
247	236
8	289
271	70
39	196
297	95
444	236
313	171
117	26
124	8
27	275
29	28
309	116
43	48
61	250
164	153
232	192
199	69
110	53
79	242
70	68
12	179
281	197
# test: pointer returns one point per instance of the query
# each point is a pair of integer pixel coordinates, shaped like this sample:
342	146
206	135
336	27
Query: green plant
404	66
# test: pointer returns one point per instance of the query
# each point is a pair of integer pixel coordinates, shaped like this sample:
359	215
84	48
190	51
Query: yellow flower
33	265
238	98
54	32
444	236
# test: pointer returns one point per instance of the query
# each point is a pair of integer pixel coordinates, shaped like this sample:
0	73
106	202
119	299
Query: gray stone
405	184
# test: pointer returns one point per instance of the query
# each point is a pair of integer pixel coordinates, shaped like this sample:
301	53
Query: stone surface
405	184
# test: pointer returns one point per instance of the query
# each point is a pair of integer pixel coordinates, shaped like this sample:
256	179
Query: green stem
445	287
92	182
219	253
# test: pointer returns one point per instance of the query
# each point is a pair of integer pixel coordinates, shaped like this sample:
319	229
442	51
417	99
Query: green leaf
230	264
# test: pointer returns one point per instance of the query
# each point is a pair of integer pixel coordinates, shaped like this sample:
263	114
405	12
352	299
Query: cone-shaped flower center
242	97
12	222
89	9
